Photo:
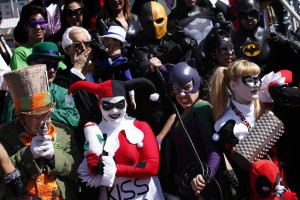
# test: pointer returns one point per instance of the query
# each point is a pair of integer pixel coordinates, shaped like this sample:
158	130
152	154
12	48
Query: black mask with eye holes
248	9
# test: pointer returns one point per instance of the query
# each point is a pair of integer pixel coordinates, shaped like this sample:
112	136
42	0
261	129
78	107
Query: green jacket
63	112
66	154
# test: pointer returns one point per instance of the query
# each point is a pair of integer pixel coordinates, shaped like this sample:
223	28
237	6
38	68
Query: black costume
259	45
195	23
153	42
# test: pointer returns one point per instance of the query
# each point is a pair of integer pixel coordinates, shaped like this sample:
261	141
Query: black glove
284	95
227	26
227	138
98	47
14	182
188	43
278	38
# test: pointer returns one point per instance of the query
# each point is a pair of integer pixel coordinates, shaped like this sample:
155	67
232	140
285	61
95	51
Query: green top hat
44	50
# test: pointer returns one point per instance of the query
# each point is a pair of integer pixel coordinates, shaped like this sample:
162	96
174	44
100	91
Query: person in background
116	66
75	43
154	48
119	13
193	21
44	152
53	17
168	5
47	53
4	67
108	164
74	13
33	21
264	47
218	51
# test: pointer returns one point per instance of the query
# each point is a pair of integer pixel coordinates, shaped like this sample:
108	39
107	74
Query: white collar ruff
133	134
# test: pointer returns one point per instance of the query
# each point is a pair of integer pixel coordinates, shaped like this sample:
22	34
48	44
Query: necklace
241	116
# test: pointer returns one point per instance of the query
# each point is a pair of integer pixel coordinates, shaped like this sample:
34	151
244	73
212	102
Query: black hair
20	33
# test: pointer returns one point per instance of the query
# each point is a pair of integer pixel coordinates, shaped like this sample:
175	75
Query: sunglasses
34	23
79	47
71	13
108	106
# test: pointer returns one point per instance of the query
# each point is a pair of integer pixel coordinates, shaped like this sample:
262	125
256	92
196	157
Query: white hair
66	41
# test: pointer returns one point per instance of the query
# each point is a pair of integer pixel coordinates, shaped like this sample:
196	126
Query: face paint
34	23
113	109
251	81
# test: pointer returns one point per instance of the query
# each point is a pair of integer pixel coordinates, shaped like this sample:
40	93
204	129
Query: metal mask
153	19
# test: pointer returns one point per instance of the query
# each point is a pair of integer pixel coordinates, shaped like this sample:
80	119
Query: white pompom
216	136
154	96
69	99
240	137
140	144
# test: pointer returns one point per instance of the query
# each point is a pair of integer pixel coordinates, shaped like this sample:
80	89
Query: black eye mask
108	106
251	81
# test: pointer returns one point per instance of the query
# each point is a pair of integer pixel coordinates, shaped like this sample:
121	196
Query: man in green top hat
44	151
47	53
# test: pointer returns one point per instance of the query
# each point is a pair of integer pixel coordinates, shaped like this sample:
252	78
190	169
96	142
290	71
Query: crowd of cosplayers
165	99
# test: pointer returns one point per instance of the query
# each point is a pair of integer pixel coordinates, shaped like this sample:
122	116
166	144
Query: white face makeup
113	109
246	88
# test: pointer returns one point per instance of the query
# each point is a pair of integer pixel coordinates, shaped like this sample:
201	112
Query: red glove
93	162
290	196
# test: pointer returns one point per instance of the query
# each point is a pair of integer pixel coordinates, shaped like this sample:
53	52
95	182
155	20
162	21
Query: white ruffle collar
133	134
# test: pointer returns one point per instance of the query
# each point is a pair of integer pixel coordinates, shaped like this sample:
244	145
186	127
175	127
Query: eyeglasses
34	23
108	106
71	13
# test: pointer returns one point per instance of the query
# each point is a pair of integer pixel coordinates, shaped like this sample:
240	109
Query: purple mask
182	73
34	23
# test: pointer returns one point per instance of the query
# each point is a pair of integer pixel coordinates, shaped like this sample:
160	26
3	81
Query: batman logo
251	49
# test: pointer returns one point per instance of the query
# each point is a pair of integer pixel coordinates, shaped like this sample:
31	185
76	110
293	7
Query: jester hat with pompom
112	88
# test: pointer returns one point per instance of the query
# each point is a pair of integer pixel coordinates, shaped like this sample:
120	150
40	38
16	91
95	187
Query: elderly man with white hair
75	43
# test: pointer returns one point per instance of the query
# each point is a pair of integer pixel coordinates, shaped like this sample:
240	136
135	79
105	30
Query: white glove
35	144
47	148
41	146
109	170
